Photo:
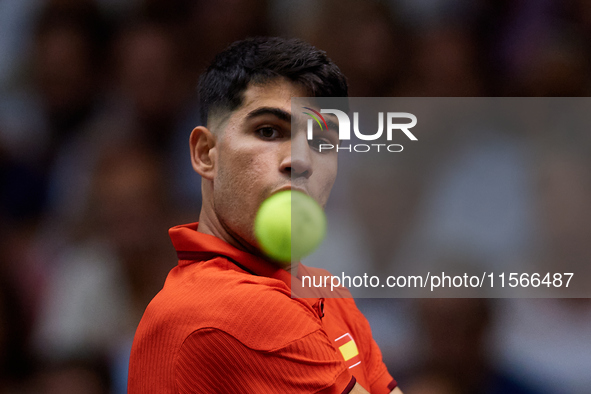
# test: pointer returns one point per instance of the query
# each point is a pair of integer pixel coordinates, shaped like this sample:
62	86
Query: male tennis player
225	321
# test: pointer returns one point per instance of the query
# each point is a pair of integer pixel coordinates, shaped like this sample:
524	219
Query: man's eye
316	142
268	132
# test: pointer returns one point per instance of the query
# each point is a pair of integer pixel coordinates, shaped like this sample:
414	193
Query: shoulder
258	311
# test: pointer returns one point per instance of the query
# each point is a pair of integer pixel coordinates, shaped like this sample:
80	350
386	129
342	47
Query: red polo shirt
225	322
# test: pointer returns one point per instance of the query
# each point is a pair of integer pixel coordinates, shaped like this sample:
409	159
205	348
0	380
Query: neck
210	223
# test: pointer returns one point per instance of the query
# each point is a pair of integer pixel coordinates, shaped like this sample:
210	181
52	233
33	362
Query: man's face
259	154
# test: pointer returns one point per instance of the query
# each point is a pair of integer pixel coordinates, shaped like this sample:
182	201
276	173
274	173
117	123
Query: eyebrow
283	115
332	125
277	112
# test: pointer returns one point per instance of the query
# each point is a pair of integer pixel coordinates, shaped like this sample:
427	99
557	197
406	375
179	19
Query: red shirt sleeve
213	361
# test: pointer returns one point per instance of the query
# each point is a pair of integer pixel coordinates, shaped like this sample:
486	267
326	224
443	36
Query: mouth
290	187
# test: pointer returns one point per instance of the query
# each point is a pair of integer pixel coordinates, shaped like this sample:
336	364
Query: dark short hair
261	59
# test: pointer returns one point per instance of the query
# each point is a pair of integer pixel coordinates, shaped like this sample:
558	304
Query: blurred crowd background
97	100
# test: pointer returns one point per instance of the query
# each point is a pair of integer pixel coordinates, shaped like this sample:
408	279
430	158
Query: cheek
242	174
325	177
238	189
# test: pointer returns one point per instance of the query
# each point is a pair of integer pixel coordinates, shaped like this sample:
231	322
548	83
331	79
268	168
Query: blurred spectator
68	61
157	103
63	97
152	100
102	282
557	67
478	197
366	42
218	23
443	62
456	360
153	82
548	341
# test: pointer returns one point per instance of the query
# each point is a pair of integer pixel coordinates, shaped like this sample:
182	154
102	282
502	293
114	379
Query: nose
298	160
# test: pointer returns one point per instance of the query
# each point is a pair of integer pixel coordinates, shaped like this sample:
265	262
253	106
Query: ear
203	152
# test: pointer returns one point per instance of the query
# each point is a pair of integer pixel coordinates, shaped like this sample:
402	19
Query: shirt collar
192	245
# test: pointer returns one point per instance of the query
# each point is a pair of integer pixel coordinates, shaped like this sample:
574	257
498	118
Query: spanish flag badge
346	345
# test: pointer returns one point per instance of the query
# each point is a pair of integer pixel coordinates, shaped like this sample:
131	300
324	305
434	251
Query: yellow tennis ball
289	226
